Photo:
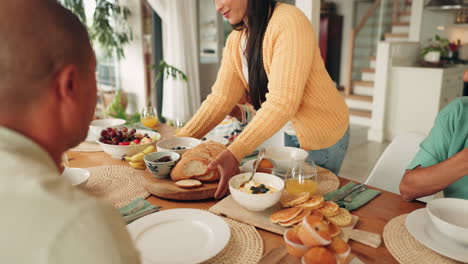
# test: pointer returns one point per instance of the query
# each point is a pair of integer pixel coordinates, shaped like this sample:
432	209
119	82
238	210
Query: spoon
261	153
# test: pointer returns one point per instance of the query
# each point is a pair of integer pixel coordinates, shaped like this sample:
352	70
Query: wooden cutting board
166	188
229	208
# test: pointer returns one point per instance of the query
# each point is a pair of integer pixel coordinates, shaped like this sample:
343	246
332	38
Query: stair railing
354	32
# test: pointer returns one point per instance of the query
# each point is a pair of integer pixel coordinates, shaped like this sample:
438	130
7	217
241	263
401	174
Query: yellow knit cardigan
300	89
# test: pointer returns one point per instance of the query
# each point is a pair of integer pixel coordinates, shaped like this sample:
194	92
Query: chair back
389	169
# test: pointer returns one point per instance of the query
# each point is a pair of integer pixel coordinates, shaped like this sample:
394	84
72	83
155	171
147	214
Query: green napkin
358	201
127	208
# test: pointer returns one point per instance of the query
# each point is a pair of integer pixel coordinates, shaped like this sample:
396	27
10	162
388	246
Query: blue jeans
330	158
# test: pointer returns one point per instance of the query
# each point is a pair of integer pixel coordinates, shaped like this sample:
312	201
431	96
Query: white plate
179	236
420	226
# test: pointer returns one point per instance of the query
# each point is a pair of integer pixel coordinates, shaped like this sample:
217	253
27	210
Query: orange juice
307	185
149	121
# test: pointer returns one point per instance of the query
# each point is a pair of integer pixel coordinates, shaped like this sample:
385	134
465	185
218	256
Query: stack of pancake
316	226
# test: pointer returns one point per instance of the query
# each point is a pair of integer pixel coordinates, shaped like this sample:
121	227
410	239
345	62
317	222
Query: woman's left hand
227	166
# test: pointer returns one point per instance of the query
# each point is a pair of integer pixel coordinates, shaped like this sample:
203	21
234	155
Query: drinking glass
149	117
301	177
178	125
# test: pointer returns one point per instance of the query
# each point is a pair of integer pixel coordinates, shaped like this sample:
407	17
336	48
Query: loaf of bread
194	163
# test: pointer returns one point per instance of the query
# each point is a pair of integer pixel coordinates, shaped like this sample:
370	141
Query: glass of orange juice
149	117
302	177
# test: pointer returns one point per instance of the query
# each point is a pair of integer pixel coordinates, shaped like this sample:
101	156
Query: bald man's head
37	38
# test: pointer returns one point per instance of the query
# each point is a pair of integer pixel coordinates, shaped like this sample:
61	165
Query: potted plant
437	47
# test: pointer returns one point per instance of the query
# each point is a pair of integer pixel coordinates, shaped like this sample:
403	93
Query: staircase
363	68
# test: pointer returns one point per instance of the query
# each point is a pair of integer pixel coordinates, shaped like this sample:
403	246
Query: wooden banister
354	32
396	10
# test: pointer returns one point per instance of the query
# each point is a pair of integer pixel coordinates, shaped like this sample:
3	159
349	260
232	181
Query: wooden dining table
372	217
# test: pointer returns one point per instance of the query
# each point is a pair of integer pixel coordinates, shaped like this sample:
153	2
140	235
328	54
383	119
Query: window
106	68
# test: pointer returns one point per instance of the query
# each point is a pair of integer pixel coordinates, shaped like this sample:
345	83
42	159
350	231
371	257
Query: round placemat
327	181
245	245
116	184
87	147
405	248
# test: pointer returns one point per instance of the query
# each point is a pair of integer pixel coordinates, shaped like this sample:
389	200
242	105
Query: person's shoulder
233	37
286	15
458	107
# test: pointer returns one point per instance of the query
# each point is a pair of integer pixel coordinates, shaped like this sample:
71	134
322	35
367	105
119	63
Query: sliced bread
189	167
190	183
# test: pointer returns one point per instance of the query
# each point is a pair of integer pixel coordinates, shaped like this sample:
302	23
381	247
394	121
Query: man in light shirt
47	99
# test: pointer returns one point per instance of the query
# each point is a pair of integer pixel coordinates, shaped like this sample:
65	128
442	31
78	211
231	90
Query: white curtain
180	47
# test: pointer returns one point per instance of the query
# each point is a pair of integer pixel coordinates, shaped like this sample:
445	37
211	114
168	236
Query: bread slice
209	177
189	167
216	144
195	153
190	183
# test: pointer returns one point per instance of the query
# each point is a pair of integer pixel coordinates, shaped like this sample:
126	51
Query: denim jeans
330	158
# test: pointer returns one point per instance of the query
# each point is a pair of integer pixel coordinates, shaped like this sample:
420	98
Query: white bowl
450	217
161	169
256	202
282	156
76	176
117	151
172	144
98	125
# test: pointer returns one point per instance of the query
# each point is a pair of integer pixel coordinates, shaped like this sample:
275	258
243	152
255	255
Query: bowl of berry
118	142
161	163
178	144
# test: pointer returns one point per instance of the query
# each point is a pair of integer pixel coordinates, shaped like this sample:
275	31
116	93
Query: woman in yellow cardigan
273	57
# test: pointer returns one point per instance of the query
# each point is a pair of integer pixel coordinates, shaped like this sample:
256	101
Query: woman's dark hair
258	15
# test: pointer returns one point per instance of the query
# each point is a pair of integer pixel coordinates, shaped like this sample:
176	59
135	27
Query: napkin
358	201
127	208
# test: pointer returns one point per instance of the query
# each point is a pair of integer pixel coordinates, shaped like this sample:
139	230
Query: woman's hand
227	166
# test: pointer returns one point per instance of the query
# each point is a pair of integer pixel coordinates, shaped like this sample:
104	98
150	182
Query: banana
139	156
149	149
136	158
137	165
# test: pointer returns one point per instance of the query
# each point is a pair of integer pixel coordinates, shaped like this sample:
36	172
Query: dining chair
389	169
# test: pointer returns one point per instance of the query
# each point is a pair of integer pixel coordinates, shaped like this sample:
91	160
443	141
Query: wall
132	71
435	22
388	55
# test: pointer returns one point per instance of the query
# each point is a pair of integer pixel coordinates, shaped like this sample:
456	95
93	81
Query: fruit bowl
118	151
98	125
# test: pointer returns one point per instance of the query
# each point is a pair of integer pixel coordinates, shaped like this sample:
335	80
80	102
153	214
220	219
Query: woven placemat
87	147
405	248
327	181
245	245
116	184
